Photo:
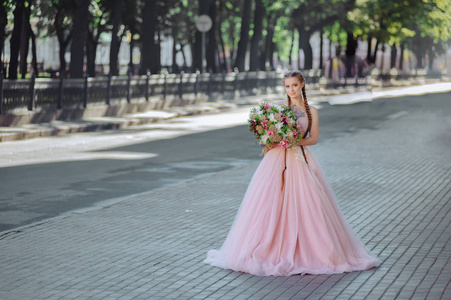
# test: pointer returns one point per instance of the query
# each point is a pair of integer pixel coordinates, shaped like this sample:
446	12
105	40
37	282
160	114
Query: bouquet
273	124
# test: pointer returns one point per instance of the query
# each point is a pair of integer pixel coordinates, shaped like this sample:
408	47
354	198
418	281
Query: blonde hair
300	77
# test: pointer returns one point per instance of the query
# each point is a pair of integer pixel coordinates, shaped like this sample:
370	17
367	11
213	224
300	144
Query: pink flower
270	132
266	105
284	144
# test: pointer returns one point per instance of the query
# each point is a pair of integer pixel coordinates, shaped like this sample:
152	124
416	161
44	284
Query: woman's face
293	87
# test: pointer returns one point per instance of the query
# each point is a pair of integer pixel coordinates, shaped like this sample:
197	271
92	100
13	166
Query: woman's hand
270	146
267	148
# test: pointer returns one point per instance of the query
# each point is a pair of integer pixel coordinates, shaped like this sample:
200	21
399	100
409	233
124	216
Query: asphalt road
46	177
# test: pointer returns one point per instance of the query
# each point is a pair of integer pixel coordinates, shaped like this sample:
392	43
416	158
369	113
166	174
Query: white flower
278	106
278	125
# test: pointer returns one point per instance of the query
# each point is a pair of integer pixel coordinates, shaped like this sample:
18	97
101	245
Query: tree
149	48
256	41
25	40
97	24
312	16
62	13
384	21
131	21
16	39
4	9
432	26
277	23
77	53
244	35
228	30
115	39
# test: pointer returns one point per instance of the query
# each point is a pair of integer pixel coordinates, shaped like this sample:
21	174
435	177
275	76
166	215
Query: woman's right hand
267	148
270	146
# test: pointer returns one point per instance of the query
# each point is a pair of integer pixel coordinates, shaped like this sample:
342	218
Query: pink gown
295	230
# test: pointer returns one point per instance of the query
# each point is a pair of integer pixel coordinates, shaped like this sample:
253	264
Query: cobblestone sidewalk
391	187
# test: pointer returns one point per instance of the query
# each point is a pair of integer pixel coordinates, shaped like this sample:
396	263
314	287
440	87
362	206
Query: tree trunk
290	60
63	41
212	46
149	49
157	62
91	48
3	23
269	44
401	56
15	39
34	61
321	46
244	35
232	50
272	50
182	50
330	49
77	50
431	57
256	40
174	66
369	58
419	52
115	42
131	66
376	48
393	54
351	48
25	41
304	44
225	63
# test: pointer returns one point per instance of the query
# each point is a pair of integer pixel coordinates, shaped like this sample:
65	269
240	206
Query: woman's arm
312	139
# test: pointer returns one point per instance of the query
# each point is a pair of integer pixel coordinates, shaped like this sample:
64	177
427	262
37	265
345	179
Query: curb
59	128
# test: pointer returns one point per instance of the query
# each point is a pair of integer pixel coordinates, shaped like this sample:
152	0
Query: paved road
46	177
389	162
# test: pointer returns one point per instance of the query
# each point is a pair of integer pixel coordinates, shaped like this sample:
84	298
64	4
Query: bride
291	226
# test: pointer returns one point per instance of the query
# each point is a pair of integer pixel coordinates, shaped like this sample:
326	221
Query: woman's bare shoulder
313	109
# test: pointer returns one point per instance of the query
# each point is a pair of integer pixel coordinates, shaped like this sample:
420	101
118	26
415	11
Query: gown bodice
301	117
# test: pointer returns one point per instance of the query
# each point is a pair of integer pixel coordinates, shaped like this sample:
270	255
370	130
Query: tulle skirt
290	227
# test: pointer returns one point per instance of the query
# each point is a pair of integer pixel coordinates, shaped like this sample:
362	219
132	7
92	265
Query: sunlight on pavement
83	146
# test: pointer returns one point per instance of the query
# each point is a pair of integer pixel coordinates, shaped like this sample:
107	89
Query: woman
291	225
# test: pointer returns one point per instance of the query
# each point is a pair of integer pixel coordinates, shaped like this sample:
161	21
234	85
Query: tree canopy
246	34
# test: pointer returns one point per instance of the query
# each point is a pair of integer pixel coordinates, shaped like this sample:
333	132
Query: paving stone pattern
392	190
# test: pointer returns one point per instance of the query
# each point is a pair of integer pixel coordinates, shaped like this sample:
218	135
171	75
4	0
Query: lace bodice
301	117
298	112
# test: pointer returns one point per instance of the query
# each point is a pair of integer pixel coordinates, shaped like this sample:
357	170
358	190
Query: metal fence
60	93
66	93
